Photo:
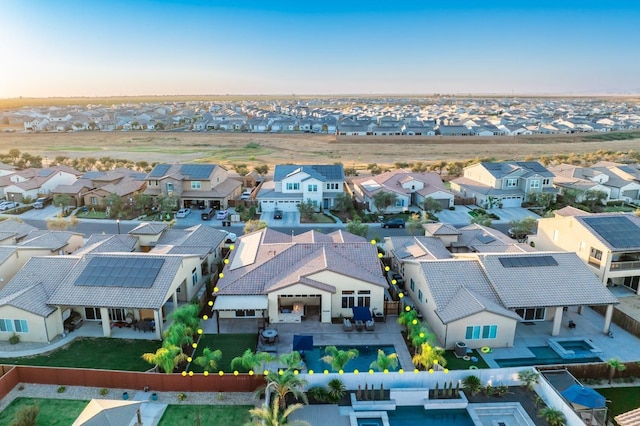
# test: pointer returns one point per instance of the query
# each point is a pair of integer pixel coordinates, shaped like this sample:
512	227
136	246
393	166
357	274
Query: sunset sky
198	47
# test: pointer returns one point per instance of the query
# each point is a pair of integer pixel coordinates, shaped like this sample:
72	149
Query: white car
231	237
222	214
8	205
183	213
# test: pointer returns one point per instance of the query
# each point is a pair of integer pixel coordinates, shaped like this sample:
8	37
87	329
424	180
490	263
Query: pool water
370	422
418	416
368	354
544	355
575	345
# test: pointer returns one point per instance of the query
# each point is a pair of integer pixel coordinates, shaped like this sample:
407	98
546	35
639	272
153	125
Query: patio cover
107	412
587	397
302	343
361	313
234	303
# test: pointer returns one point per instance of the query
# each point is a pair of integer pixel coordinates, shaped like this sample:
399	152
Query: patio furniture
346	325
359	325
572	324
370	325
271	334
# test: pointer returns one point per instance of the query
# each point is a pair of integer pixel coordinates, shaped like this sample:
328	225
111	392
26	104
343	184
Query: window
400	202
92	313
332	186
531	314
194	276
169	187
348	300
245	313
475	332
512	183
489	331
364	298
546	181
420	295
94	201
312	188
195	184
21	326
5	325
293	186
595	253
534	184
412	284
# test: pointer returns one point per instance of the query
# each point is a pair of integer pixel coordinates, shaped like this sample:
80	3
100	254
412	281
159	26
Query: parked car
8	205
183	213
231	237
222	214
40	203
245	195
277	214
393	223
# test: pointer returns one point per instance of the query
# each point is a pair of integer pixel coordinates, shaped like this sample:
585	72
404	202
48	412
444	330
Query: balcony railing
630	264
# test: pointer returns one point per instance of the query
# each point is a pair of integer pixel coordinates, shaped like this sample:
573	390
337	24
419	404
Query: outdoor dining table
270	333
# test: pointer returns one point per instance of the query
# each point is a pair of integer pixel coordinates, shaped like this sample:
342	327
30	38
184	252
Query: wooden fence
620	318
597	370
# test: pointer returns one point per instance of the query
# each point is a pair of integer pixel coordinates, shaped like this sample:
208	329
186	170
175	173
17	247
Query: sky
69	48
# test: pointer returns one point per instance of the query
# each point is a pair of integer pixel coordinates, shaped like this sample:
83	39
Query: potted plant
154	396
125	395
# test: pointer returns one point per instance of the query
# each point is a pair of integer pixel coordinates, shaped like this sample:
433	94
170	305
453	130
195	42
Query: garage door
285	206
511	201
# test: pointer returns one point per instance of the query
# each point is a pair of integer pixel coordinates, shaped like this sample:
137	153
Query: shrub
26	416
318	393
182	396
15	339
61	389
336	391
472	384
104	391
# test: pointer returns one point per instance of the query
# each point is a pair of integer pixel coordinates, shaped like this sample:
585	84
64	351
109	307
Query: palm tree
384	361
615	365
337	358
188	315
552	416
166	357
528	378
178	335
271	416
406	318
292	360
418	335
428	356
250	360
283	385
209	359
472	384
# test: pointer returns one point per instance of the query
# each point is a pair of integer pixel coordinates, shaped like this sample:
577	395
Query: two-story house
294	184
608	242
32	183
193	185
410	189
506	184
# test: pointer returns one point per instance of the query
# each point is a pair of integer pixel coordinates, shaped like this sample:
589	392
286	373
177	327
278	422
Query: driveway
457	217
288	219
41	214
461	217
513	213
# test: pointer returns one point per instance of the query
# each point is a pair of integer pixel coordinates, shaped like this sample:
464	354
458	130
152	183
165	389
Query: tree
455	168
307	209
384	361
342	202
62	201
439	166
166	357
115	204
291	360
209	359
356	227
254	225
285	384
406	318
382	200
14	154
472	384
414	224
337	358
593	198
271	416
428	356
614	365
250	360
26	416
541	199
553	416
528	378
522	228
350	171
178	335
188	314
241	169
482	219
431	206
261	169
336	390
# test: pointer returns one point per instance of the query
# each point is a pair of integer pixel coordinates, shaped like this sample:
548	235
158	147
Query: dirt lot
226	148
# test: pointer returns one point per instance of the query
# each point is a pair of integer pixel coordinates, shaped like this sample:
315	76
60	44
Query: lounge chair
346	325
370	325
359	325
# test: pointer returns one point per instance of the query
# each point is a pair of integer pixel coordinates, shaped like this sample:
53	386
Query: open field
252	149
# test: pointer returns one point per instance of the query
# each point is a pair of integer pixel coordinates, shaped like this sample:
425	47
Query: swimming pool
370	422
544	355
368	354
418	416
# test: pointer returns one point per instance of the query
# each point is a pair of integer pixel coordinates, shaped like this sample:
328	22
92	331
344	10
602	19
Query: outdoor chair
346	325
370	325
572	324
359	325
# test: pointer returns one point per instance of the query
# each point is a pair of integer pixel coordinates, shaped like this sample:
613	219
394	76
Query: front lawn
99	353
622	399
231	345
188	415
455	363
52	412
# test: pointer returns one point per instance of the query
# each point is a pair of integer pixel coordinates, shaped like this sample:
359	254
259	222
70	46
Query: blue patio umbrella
587	397
361	313
302	343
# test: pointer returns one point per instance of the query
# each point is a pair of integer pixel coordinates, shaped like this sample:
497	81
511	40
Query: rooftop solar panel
527	261
197	171
159	170
619	231
130	272
485	239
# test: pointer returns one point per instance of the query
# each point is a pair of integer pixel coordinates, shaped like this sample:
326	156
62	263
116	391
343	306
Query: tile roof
322	172
630	418
419	247
52	240
393	180
149	229
439	228
106	243
17	229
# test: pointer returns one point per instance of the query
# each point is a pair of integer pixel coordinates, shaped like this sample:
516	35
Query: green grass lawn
618	209
454	363
231	345
101	353
622	399
53	412
186	415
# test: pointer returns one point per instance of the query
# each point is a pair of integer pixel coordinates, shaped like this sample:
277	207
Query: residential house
410	188
32	183
294	184
620	182
306	277
506	184
193	185
609	243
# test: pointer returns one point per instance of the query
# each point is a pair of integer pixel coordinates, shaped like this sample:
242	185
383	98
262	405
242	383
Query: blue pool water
370	422
368	354
418	416
578	346
544	355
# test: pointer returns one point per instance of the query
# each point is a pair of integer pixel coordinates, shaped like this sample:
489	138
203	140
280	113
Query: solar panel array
330	171
527	261
485	239
619	231
130	272
159	170
197	171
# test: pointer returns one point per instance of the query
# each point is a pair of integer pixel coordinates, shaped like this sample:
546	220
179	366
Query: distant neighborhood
435	116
